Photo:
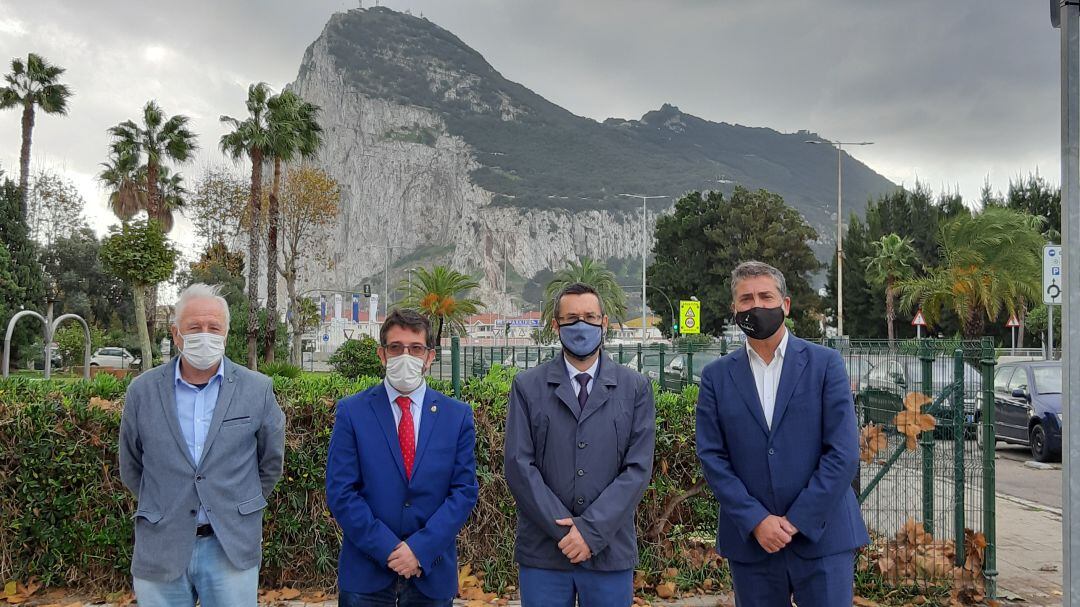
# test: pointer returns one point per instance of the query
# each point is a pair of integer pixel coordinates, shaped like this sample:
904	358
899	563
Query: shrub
66	518
280	369
357	358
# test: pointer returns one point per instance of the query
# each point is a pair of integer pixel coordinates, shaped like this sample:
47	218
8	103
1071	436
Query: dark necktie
583	393
405	434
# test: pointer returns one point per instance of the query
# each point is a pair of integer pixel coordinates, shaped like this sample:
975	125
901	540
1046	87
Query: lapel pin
434	408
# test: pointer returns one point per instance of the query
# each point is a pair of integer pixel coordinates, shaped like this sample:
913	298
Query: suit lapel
605	380
167	390
556	374
379	402
429	412
224	399
742	375
794	365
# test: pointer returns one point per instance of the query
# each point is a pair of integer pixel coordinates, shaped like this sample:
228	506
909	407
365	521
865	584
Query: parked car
650	363
1027	407
115	358
676	374
887	381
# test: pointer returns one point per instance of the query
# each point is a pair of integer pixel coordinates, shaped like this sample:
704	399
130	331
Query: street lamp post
644	252
839	225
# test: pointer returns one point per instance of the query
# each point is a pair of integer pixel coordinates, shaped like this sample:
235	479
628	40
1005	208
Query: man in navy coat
401	478
778	441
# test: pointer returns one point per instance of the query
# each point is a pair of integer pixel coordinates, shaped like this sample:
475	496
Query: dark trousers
402	593
556	588
823	582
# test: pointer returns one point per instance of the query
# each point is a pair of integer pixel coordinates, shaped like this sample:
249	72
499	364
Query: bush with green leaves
358	358
66	518
280	369
70	341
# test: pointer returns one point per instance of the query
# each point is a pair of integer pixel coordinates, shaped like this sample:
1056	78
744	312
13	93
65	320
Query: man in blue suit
778	442
401	478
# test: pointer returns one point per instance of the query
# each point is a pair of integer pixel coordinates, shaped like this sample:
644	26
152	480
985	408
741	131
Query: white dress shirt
416	407
767	376
573	371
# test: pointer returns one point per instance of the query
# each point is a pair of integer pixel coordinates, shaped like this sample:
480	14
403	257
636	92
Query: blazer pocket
252	505
236	421
148	515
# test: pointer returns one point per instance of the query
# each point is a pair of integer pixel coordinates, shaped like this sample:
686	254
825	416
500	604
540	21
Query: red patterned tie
405	434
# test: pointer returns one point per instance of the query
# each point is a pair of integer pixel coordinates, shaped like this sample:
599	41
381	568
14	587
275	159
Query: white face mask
405	372
203	350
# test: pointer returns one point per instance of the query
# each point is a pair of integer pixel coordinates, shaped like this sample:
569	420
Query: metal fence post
723	346
661	374
455	365
689	366
640	357
958	455
926	358
989	483
622	361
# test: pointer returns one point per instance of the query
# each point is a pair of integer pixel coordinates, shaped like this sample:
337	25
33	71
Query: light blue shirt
416	408
195	409
573	371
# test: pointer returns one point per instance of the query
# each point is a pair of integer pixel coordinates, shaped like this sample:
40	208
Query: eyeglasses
592	319
396	349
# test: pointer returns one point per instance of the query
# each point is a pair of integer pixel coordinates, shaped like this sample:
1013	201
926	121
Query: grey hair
752	269
200	291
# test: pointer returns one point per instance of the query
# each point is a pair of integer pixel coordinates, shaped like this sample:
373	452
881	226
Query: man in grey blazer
579	454
201	445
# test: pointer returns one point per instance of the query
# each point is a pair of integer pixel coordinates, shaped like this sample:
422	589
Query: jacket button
581	445
198	479
194	512
407	504
580	500
581	473
772	451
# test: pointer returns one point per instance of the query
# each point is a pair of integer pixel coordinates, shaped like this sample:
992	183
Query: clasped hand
774	533
403	562
573	546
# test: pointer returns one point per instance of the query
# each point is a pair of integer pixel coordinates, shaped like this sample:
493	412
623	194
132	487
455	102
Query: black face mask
760	323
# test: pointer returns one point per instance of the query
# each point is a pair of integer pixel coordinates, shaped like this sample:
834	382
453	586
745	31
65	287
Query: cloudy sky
951	92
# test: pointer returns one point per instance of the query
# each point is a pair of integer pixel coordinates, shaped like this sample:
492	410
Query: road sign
919	320
1053	277
689	317
1013	322
326	337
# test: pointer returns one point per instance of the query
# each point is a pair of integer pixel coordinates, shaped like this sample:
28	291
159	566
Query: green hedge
65	517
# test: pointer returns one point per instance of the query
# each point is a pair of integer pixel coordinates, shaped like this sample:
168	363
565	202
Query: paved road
1016	479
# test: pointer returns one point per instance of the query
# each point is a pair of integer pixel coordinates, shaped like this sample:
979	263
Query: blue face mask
582	339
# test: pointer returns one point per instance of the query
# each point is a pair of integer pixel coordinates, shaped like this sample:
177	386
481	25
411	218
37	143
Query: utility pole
644	253
1066	14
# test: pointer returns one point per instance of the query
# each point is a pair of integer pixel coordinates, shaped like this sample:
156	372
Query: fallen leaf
665	590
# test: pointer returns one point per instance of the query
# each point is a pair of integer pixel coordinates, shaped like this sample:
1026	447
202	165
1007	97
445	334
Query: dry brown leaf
289	594
665	590
864	602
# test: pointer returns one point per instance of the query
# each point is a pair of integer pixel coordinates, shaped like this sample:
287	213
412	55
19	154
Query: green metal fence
927	496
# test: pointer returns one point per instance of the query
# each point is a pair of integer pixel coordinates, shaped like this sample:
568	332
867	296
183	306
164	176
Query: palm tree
129	194
441	294
251	138
989	261
294	132
121	175
160	139
892	261
595	274
32	84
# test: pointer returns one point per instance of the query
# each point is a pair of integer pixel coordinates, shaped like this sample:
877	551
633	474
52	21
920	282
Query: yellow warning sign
689	317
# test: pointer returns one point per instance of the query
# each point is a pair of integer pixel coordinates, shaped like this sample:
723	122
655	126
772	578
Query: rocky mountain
443	160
